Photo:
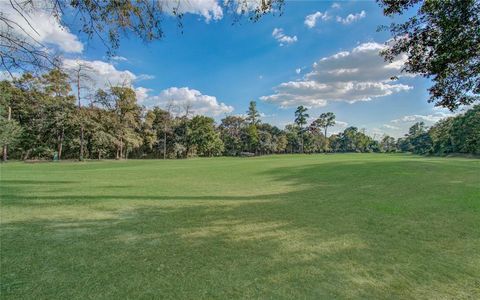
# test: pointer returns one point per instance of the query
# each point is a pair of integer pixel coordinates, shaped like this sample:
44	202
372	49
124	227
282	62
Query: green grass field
313	226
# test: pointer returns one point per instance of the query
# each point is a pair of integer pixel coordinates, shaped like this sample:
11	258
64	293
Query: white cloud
119	58
358	75
44	28
264	115
144	77
4	75
341	124
392	127
352	18
399	126
209	9
142	94
298	70
200	104
430	118
282	38
311	20
103	74
335	5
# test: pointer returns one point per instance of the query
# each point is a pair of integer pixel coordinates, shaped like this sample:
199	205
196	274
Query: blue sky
218	67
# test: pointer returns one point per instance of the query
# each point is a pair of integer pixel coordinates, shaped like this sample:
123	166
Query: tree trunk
121	149
326	140
81	119
5	147
60	144
301	136
81	142
27	154
165	142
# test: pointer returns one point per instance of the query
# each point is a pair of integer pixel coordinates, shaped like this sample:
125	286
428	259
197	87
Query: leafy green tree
253	116
59	105
324	121
281	143
252	138
301	117
440	42
27	103
442	138
417	140
231	134
465	132
388	144
203	136
293	137
10	132
126	122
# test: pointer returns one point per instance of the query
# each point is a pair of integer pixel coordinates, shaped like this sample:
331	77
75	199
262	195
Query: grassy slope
319	226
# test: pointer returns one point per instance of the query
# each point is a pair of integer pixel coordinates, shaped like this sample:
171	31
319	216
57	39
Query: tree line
40	118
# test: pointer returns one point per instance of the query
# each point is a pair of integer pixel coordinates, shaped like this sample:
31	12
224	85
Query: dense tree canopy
39	119
442	42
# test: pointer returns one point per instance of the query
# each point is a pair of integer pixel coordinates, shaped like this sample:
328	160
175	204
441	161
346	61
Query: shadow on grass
368	231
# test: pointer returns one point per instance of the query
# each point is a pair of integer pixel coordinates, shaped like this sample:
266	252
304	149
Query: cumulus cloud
199	103
142	94
351	18
208	9
348	76
392	127
311	20
335	5
399	126
44	28
341	124
282	38
298	70
430	118
211	9
103	74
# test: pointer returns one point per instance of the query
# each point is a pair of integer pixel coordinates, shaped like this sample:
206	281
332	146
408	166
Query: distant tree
60	105
388	144
441	42
465	131
442	136
127	119
252	138
281	142
293	137
417	140
203	137
10	131
81	77
253	116
324	121
301	117
231	134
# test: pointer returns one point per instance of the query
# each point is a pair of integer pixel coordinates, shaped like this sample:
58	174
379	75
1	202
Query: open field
318	226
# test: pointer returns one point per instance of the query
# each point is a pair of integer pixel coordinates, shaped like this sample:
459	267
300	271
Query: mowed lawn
292	227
